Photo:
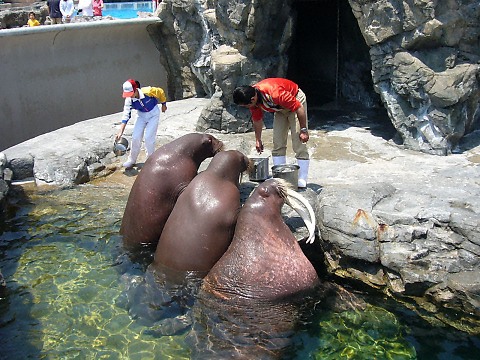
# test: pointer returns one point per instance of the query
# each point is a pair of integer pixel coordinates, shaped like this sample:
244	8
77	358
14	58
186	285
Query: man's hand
303	136
259	146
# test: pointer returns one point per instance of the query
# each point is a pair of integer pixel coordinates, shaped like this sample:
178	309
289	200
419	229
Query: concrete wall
54	76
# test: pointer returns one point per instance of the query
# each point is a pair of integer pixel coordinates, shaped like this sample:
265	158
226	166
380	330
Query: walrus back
155	190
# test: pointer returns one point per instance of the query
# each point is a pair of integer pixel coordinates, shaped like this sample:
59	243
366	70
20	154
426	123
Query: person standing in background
85	7
67	8
145	100
97	7
54	11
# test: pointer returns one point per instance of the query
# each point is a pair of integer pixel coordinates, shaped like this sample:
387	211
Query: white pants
147	122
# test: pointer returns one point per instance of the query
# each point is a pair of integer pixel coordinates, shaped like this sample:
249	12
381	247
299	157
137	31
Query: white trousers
147	123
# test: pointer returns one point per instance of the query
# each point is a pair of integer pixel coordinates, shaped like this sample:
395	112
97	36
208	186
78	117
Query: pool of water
126	10
67	276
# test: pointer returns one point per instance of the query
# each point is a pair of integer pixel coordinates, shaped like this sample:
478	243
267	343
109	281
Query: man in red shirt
289	104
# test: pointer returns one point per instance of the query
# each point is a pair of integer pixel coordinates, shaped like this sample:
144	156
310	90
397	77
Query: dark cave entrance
328	56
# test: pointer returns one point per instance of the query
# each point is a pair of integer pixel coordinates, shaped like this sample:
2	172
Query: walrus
201	225
264	260
261	289
155	190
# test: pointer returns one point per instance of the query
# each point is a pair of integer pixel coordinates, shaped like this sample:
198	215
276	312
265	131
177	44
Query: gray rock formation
424	60
209	47
425	67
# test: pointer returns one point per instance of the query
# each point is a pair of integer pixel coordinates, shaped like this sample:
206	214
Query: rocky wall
424	59
425	66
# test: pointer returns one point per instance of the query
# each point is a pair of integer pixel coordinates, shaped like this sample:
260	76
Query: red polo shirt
276	94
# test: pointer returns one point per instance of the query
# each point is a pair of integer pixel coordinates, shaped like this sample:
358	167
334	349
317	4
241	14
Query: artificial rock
424	58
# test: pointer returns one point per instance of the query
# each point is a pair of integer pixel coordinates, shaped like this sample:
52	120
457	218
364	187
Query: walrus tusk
309	218
308	223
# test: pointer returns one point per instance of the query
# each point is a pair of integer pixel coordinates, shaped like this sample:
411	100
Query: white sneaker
128	165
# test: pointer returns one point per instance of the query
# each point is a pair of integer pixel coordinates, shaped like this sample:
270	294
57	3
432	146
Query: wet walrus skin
264	260
155	190
260	290
201	225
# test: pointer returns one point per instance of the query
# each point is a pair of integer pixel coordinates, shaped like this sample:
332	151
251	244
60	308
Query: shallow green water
61	257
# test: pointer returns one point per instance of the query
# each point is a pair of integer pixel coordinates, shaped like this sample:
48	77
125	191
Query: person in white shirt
86	6
66	8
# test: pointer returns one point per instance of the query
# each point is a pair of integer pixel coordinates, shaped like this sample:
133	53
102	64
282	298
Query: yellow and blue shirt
148	99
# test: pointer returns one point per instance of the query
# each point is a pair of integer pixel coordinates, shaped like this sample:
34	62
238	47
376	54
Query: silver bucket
120	147
259	170
287	172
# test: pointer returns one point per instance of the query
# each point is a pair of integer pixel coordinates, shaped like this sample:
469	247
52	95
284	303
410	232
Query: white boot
303	172
279	160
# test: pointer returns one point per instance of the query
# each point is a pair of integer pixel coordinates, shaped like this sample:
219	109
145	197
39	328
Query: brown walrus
264	260
261	289
155	190
201	225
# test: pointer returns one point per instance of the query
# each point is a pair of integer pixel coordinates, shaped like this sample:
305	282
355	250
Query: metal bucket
120	147
287	172
259	170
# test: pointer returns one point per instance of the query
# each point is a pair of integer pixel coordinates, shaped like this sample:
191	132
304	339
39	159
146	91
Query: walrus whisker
282	188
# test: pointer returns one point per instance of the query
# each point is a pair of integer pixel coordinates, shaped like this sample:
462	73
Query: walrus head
296	201
216	144
230	163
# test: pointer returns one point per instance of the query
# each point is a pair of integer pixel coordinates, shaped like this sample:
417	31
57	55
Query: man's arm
302	117
302	121
258	126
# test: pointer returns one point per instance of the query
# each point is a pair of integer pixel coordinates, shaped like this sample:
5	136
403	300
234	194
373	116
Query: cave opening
328	56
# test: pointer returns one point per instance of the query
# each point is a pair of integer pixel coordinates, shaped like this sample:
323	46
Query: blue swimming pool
127	10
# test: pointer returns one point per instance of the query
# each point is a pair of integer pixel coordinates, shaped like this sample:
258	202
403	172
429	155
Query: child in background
97	7
31	19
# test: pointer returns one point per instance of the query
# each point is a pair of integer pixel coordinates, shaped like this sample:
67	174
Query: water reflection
68	285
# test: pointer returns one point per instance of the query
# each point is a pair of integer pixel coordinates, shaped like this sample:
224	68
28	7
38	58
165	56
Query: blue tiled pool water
127	10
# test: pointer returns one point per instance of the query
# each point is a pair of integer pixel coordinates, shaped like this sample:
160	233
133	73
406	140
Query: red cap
129	88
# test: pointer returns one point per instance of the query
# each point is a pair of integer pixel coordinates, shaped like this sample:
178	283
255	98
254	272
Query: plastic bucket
287	172
259	171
